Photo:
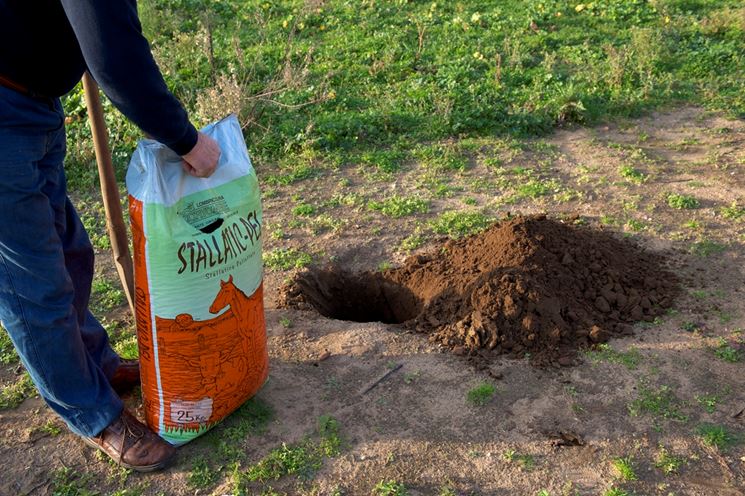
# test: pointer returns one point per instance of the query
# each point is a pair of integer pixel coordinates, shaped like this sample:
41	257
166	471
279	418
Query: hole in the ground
365	297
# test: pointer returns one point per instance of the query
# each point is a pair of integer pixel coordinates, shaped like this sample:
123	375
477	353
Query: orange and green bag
198	285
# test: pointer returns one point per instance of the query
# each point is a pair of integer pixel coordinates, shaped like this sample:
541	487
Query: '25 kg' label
189	412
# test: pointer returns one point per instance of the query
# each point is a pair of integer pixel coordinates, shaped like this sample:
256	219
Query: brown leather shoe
132	445
126	377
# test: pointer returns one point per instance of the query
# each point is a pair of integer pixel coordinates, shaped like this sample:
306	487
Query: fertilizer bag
198	285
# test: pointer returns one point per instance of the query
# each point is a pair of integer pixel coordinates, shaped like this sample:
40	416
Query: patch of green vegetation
603	352
526	462
706	248
616	491
13	394
51	428
708	401
447	490
398	206
441	157
385	161
126	346
8	353
667	462
67	482
659	402
286	258
250	419
291	175
481	394
457	224
390	488
634	225
624	468
412	242
632	174
105	295
733	212
303	459
543	492
725	351
682	202
304	210
717	436
202	475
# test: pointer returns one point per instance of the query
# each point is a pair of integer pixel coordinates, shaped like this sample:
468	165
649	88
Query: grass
717	436
632	174
615	491
659	402
459	224
726	352
202	475
105	295
397	206
303	459
733	212
286	259
667	462
603	352
682	202
624	468
67	482
390	488
8	355
13	394
481	394
707	248
526	462
708	401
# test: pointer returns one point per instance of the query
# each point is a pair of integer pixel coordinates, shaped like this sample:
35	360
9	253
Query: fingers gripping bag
198	285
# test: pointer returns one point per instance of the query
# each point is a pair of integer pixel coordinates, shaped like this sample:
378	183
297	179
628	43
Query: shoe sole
137	468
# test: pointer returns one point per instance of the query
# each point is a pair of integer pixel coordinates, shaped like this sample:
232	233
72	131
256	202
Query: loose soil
527	286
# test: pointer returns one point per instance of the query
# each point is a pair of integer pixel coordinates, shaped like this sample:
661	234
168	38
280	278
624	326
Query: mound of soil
528	285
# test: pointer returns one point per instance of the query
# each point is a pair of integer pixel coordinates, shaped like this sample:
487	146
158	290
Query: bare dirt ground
556	429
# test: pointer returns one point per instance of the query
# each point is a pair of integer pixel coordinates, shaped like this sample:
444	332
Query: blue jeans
46	269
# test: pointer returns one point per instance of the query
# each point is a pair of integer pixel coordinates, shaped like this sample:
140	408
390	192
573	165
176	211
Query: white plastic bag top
156	175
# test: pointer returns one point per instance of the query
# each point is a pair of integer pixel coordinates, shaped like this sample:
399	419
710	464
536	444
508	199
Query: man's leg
37	293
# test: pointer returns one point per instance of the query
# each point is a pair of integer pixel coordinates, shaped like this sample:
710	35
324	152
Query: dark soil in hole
527	285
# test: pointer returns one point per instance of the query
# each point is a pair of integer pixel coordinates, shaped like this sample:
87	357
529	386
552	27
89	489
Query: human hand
201	161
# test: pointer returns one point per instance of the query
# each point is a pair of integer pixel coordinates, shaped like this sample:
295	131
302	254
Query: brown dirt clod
526	286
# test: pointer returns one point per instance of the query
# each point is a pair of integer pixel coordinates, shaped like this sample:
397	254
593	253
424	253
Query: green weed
67	482
481	394
457	224
615	491
286	258
526	462
708	402
667	462
733	212
385	161
105	295
624	468
302	459
8	353
717	436
659	402
632	174
412	242
603	352
201	475
304	210
707	248
397	206
682	202
390	488
725	351
13	394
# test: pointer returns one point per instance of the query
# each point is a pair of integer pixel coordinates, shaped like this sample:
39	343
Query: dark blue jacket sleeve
118	57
